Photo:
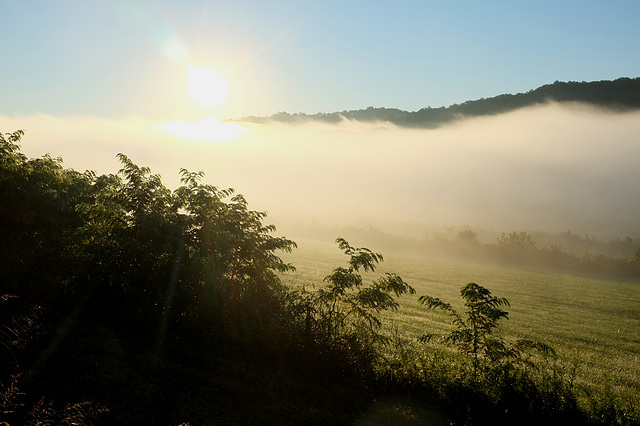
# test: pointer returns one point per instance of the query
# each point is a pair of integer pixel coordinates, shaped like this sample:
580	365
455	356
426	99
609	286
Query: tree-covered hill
621	94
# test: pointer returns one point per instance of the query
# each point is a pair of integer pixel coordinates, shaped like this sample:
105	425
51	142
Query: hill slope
620	94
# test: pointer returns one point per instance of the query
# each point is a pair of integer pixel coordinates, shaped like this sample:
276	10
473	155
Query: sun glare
207	87
203	130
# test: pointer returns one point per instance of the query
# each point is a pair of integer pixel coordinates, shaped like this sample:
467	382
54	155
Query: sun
206	86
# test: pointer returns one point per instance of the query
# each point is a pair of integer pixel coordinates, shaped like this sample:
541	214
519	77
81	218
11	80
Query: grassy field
591	321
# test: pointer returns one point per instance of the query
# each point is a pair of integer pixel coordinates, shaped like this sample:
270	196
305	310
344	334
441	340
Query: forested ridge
123	302
621	94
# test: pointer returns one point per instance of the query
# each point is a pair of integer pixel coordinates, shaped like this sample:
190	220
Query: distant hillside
620	94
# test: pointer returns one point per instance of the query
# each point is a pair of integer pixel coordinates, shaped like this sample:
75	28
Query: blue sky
110	59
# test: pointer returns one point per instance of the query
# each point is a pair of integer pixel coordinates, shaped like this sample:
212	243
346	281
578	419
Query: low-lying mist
552	168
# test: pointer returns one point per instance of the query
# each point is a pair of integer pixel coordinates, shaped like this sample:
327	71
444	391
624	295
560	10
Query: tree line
621	94
520	248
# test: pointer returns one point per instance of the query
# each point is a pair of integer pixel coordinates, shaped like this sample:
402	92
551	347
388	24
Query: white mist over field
555	167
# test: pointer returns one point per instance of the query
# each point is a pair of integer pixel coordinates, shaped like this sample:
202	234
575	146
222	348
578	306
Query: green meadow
594	324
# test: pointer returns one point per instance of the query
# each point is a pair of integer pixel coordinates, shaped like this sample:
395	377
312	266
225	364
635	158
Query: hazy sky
546	168
152	79
129	58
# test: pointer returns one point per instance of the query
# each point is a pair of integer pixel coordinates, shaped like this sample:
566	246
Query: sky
128	58
157	81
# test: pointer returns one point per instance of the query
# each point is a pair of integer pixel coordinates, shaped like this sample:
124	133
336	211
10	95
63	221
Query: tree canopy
125	240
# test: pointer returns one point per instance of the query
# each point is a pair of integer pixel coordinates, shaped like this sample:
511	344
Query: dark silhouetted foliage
123	302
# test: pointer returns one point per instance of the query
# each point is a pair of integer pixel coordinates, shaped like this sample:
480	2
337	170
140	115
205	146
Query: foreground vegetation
125	303
591	323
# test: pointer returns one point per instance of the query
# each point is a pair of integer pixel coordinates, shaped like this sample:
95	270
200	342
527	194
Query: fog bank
551	168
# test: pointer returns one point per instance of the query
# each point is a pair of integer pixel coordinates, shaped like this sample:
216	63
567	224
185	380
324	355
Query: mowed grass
593	322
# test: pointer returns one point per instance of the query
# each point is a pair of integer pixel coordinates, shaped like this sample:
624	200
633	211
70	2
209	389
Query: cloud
553	167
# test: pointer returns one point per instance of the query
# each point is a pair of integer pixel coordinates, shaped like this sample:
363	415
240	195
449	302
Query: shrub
343	316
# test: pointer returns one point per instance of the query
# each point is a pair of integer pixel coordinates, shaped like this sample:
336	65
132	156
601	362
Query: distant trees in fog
566	252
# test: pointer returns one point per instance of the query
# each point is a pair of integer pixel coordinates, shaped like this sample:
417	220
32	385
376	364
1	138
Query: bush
342	318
